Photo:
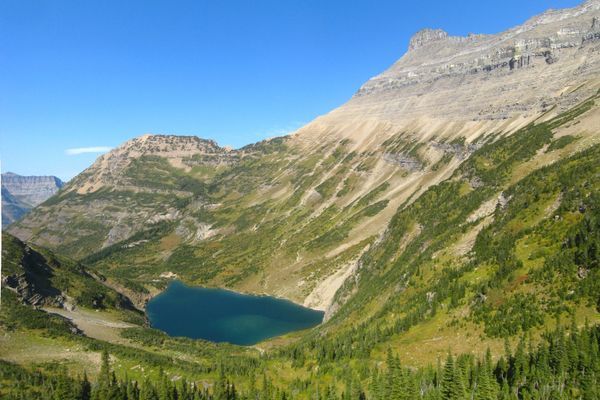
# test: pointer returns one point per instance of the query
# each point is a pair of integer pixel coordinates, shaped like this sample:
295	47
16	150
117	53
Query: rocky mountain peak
539	62
174	145
10	177
179	151
426	36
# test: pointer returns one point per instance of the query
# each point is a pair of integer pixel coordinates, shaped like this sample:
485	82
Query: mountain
39	277
12	208
309	204
21	193
450	206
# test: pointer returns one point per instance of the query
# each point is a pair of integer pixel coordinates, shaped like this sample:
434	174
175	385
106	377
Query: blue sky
77	74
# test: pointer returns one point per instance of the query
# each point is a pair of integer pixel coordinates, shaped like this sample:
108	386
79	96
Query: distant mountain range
21	193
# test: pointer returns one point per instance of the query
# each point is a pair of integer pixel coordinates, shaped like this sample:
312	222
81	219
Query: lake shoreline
225	315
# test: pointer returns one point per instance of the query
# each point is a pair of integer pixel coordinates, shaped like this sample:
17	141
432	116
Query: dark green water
221	315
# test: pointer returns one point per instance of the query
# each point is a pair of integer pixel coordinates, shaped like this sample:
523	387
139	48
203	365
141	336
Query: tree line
565	364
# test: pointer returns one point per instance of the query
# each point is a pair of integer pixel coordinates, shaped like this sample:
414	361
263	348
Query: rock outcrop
425	37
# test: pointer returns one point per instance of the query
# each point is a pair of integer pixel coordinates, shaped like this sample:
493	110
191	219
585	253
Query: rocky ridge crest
540	62
180	151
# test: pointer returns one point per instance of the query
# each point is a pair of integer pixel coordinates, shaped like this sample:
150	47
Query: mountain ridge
343	175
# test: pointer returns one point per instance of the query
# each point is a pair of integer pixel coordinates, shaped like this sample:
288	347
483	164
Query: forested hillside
510	312
565	365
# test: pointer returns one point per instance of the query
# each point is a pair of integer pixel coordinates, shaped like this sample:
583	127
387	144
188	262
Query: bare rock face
425	37
551	60
31	190
403	160
21	193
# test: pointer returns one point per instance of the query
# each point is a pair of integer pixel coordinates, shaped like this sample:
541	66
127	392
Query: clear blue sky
77	73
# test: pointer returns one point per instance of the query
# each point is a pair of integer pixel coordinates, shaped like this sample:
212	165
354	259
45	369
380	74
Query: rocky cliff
482	83
21	193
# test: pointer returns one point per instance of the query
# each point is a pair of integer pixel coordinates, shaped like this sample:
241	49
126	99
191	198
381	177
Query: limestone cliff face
425	37
467	86
31	190
21	193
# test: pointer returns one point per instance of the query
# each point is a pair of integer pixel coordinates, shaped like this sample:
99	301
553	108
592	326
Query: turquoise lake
221	315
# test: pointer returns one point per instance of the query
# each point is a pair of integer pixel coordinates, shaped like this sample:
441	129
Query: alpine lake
220	315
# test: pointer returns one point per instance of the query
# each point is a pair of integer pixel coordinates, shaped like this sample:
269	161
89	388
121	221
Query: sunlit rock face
524	70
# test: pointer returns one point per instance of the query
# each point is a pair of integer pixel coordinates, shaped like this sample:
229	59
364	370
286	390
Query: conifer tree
220	389
452	388
104	378
374	386
148	392
487	387
64	389
590	387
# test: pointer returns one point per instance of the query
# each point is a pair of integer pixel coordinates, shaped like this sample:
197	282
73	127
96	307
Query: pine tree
103	386
590	387
252	392
184	390
518	375
266	388
396	380
411	389
487	387
374	386
452	385
220	389
147	392
132	391
64	389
